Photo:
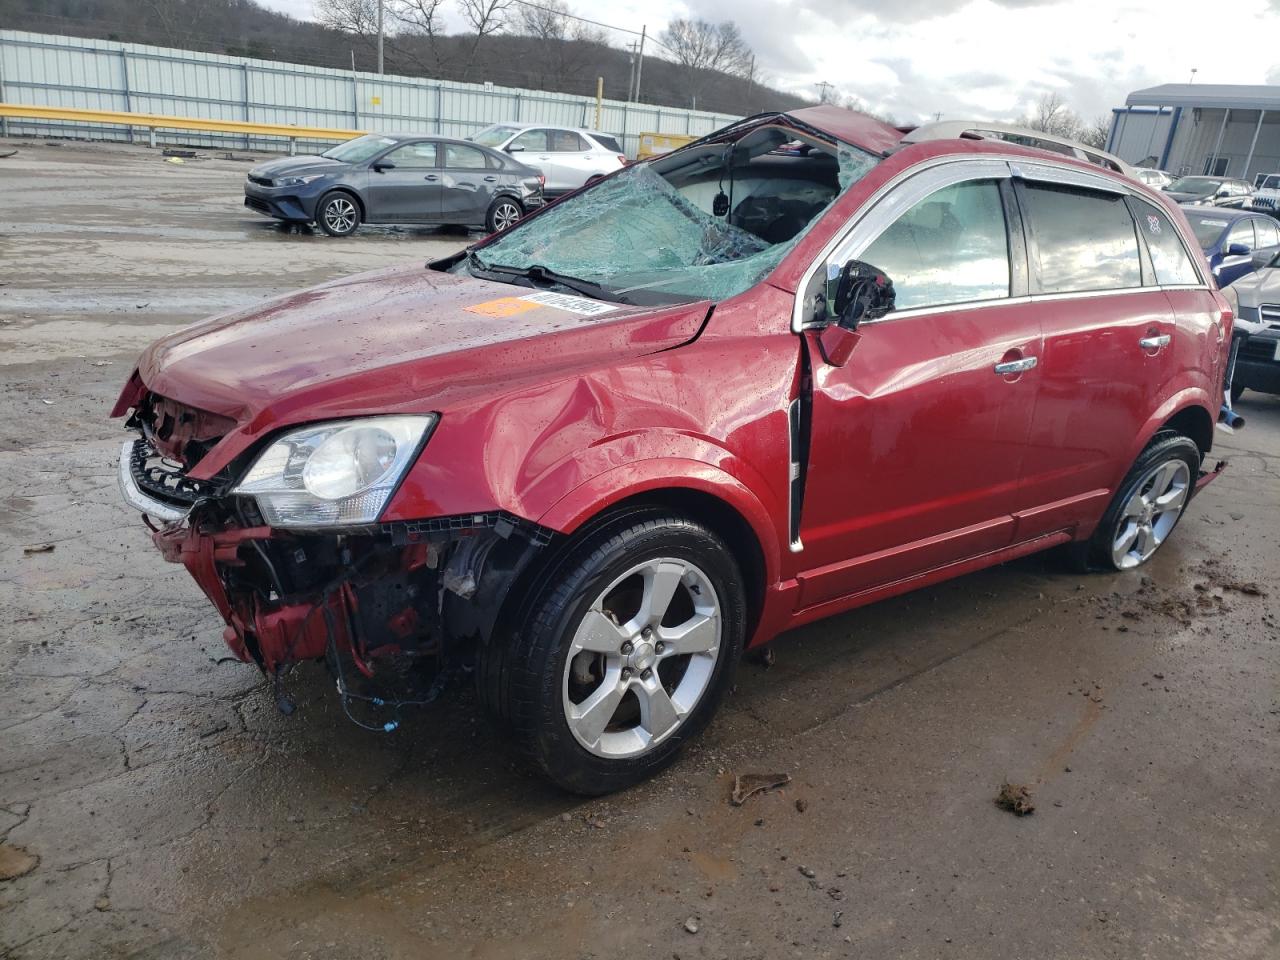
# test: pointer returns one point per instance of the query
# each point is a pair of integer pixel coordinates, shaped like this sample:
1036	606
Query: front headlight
334	474
299	181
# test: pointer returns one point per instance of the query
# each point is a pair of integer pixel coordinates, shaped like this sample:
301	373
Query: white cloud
982	58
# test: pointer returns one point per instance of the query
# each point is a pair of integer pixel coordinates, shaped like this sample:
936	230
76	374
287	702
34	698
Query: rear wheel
338	214
628	648
1149	504
503	214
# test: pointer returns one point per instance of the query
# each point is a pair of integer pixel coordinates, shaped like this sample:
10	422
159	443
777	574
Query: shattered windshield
706	225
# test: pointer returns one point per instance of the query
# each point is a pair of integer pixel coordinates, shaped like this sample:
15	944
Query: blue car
1236	242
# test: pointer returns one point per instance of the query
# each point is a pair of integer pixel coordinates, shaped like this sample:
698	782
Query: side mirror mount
382	165
1238	249
856	292
514	148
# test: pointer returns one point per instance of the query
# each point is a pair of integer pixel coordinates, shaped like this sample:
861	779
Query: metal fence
48	70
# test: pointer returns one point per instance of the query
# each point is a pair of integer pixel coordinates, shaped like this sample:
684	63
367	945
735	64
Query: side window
609	143
533	141
456	157
413	156
951	247
1241	232
565	141
1168	255
1085	240
1268	233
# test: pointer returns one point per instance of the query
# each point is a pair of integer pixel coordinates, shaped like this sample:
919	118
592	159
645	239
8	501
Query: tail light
622	160
542	180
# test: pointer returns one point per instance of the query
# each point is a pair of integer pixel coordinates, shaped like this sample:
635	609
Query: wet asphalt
161	807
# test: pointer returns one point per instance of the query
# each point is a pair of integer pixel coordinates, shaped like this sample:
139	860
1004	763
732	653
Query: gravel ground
157	805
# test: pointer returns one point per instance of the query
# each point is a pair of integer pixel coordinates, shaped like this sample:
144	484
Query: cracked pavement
176	814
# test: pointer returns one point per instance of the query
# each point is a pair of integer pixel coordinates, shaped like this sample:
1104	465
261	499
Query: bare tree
700	46
486	18
1096	133
419	23
566	41
1052	115
359	17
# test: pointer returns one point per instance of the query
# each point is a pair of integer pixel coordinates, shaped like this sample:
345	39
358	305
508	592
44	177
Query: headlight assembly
334	474
298	181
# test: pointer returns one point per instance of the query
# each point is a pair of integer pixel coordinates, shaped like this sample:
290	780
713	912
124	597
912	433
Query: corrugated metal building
1228	130
50	70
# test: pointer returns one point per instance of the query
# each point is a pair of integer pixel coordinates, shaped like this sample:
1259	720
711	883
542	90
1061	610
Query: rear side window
951	247
566	141
609	143
1084	240
458	157
1168	255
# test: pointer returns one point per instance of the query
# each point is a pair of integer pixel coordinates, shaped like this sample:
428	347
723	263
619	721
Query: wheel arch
1187	412
1192	421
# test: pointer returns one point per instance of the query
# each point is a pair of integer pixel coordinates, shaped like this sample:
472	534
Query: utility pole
751	80
631	80
639	63
380	4
823	87
1193	75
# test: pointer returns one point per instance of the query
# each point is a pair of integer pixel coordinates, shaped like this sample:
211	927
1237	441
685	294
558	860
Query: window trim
1135	211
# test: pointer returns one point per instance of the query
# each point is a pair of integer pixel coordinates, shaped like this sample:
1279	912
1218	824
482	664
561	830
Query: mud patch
16	861
1016	798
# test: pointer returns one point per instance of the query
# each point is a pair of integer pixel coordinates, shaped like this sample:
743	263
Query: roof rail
1024	136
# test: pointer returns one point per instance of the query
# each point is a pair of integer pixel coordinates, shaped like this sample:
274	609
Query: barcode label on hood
562	301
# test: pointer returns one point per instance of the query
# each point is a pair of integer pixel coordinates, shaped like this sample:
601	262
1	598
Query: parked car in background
1210	191
1256	299
1234	241
1266	195
396	179
718	395
1157	179
568	157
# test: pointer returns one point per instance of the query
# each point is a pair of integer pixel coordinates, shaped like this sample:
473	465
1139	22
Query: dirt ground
171	812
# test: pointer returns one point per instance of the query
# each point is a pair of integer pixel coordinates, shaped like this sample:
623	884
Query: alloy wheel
505	216
641	658
1150	513
340	215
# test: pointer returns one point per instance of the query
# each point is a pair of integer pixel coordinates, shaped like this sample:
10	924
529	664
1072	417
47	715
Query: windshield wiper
542	276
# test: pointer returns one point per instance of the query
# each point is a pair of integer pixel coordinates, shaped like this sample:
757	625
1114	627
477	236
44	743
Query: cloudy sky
989	59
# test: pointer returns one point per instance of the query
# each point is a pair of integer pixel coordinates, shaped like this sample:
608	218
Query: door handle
490	179
1155	343
430	176
1016	366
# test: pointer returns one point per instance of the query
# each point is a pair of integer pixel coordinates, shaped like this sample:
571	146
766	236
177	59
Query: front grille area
260	181
1264	202
1271	314
1258	348
256	204
164	479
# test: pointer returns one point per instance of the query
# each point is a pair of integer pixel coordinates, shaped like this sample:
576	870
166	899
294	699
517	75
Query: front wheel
1148	505
629	647
503	214
338	214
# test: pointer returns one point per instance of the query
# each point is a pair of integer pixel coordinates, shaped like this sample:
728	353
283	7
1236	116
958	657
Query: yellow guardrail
153	122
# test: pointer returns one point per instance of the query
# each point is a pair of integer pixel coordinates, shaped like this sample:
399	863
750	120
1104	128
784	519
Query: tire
338	214
503	214
587	691
1148	505
1236	393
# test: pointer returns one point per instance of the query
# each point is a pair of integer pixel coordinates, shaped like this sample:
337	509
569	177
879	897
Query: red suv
714	396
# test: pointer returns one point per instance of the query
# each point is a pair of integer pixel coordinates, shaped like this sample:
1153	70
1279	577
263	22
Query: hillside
243	28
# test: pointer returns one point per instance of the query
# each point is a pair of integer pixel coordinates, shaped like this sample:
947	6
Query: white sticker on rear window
1203	223
563	301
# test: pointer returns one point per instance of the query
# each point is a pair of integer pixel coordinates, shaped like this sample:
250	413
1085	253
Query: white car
567	156
1157	179
1266	198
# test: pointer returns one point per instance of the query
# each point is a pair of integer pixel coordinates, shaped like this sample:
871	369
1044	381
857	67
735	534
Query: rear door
468	184
917	441
571	159
408	191
1108	332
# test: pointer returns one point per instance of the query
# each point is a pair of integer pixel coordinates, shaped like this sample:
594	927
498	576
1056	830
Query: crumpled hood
1253	290
398	340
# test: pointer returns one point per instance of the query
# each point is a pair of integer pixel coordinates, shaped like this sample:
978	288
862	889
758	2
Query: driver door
917	441
408	190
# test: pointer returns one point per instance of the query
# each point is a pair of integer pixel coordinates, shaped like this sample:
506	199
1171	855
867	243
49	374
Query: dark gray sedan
396	179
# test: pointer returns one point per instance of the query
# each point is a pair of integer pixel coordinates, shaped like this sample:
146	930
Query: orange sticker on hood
503	307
